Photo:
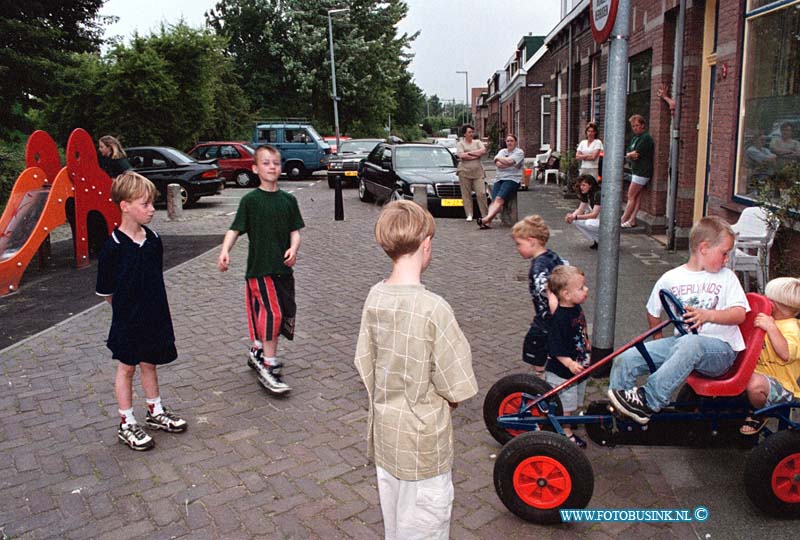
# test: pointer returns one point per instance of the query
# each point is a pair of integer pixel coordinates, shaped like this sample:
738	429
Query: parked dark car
163	165
391	171
344	164
234	159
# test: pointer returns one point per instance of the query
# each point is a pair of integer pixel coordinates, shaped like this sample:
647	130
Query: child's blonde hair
116	148
267	148
130	185
531	227
561	276
785	291
401	228
711	229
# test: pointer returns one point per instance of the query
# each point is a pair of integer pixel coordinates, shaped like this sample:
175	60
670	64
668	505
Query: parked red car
234	159
331	140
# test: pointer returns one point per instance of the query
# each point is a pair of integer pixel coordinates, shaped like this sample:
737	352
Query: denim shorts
504	188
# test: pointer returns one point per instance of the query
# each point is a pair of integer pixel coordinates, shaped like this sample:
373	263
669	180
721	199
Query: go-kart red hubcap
542	482
786	479
511	405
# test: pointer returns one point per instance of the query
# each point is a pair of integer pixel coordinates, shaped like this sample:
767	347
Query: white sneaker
270	378
469	218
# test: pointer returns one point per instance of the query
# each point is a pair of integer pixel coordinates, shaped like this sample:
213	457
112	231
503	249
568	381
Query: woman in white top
589	152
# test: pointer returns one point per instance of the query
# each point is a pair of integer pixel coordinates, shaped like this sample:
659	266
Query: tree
38	38
171	87
281	51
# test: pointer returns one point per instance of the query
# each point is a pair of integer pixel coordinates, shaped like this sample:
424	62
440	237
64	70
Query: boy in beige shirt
417	366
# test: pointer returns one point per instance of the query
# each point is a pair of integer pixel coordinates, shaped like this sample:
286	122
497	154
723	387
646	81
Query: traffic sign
603	13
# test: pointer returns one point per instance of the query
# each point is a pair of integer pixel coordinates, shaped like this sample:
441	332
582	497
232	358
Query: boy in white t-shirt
715	305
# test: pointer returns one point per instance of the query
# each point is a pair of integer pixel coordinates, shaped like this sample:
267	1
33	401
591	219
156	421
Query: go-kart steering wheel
670	301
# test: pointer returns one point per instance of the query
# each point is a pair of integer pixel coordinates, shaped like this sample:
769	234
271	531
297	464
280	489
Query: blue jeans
675	358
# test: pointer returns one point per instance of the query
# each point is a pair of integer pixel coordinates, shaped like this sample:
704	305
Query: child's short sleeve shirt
568	338
769	363
141	326
268	218
541	268
704	290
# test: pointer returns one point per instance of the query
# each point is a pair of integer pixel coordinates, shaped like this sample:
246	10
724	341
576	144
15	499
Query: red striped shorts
271	307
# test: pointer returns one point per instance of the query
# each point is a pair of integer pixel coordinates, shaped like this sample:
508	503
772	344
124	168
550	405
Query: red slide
43	197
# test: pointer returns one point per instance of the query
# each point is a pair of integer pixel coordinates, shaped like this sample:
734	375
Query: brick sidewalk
253	466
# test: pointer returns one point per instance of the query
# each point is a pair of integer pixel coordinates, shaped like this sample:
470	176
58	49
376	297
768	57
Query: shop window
768	157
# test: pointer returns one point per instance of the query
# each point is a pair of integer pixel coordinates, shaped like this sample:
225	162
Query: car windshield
177	156
314	133
421	157
353	147
250	150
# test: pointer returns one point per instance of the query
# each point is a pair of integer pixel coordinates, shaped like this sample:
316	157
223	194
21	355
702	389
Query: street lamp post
466	93
338	212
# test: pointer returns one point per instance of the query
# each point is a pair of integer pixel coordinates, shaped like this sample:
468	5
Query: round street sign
603	14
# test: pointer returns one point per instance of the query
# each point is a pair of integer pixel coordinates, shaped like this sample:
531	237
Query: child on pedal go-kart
775	379
568	342
531	235
715	305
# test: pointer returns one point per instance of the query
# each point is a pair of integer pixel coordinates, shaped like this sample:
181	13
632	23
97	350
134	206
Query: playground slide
37	206
46	195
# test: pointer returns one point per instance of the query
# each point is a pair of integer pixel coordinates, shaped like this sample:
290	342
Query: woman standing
585	217
640	154
589	152
470	172
113	159
507	179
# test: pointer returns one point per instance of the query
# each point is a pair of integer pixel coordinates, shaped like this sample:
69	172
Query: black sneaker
167	420
255	358
134	436
270	378
632	403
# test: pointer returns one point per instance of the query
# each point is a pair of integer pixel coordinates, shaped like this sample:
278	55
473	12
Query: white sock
257	344
126	417
154	405
270	361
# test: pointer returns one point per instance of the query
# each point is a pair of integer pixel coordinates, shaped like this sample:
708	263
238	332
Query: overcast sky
477	36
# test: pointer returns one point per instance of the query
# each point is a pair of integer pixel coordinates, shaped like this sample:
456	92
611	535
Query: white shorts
640	180
572	397
416	510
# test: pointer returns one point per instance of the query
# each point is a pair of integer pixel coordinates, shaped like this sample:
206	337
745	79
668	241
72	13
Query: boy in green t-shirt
272	221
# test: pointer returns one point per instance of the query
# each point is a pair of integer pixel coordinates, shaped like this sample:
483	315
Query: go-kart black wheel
539	472
505	397
772	475
674	310
600	433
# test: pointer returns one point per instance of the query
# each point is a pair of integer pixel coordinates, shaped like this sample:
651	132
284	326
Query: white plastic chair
755	232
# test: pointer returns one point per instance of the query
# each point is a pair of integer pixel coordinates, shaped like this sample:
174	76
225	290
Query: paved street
255	466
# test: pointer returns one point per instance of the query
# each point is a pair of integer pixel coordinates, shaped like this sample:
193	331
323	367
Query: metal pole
674	128
466	93
338	205
614	143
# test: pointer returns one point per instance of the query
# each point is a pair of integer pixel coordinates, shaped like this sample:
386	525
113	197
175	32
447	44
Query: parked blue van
303	150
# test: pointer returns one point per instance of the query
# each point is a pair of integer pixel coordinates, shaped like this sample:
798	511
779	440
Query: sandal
580	443
481	224
752	426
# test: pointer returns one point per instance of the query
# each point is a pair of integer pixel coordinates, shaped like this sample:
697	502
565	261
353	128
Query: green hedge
12	163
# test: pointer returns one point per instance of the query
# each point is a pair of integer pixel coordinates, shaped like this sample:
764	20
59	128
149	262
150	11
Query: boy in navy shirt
130	277
531	235
570	351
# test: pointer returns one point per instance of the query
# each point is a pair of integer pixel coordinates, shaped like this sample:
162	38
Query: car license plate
452	202
351	173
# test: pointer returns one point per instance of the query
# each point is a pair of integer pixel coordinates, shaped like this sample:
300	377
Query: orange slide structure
47	195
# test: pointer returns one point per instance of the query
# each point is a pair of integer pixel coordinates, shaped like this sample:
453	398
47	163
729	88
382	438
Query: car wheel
506	397
363	194
772	475
243	179
188	199
295	170
331	183
538	473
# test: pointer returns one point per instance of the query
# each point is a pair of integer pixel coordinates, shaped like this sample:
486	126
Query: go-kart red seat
735	380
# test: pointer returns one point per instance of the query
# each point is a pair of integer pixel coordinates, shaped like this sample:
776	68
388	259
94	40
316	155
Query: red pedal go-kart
540	471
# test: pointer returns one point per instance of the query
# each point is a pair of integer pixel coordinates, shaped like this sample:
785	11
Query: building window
544	122
638	102
596	82
768	157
